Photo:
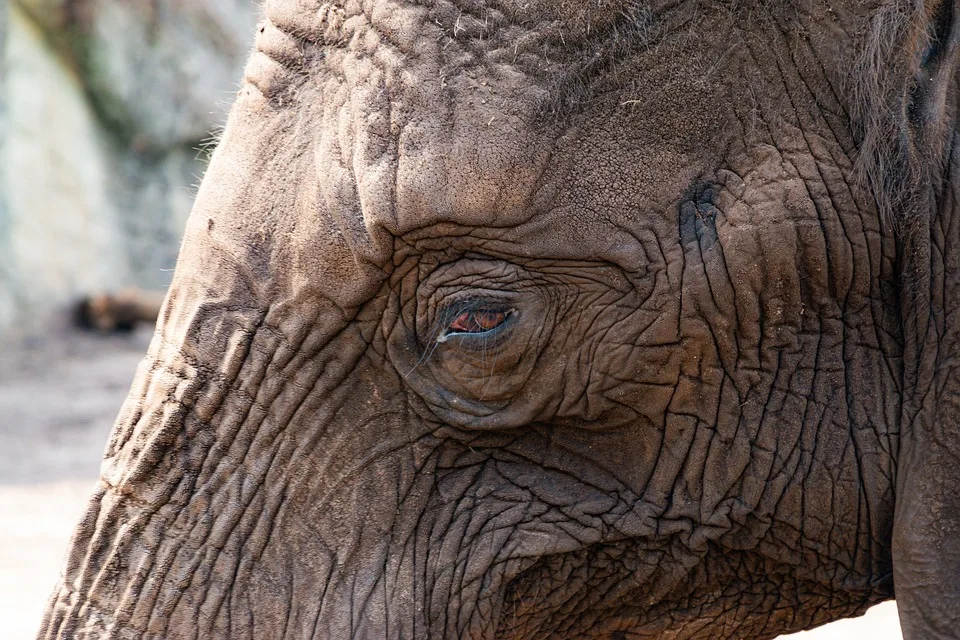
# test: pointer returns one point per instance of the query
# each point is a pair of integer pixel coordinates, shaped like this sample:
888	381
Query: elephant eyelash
500	317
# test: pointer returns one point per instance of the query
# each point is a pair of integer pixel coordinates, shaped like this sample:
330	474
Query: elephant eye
477	321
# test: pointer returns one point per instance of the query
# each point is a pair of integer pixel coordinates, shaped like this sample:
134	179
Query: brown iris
478	321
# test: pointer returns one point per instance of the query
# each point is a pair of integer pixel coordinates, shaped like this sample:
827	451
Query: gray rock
160	71
6	276
63	231
103	107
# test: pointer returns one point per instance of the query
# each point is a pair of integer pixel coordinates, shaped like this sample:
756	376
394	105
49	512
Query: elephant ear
906	104
932	96
913	160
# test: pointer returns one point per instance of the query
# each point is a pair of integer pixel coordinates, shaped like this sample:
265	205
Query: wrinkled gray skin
720	247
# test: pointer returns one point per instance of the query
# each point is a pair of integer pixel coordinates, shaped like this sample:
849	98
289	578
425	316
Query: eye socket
477	321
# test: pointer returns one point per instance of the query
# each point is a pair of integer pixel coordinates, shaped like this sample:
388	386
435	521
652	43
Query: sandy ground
58	399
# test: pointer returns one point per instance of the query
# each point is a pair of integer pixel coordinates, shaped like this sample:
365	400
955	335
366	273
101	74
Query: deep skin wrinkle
685	421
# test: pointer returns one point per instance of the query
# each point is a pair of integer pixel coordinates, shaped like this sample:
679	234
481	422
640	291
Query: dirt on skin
58	399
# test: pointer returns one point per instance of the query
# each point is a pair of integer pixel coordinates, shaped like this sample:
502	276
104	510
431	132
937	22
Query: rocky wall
6	276
107	111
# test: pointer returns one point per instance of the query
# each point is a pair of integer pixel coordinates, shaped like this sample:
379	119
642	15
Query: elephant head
551	319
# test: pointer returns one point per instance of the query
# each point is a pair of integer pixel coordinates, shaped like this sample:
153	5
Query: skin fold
552	319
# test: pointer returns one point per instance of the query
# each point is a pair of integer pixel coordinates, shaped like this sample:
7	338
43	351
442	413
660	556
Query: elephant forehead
435	113
421	140
420	118
576	18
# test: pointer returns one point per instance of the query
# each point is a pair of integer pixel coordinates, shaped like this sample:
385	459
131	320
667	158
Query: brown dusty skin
519	320
50	443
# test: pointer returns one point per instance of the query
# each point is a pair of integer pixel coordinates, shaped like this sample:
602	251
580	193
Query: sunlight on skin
32	548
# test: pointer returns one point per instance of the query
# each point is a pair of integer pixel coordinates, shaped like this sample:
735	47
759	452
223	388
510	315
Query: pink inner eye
477	321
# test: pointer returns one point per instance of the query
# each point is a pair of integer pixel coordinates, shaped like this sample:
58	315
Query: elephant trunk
265	477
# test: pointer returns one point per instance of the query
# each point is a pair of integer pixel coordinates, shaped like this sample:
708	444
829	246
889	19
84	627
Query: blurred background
108	112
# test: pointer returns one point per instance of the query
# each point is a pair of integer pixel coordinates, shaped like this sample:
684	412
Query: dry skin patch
58	400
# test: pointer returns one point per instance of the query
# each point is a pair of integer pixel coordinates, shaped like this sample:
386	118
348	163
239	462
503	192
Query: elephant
516	319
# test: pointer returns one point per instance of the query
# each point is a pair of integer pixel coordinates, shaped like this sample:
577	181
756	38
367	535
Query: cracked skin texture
717	400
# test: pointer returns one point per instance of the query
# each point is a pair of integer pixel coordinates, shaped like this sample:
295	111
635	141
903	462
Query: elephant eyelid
474	320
